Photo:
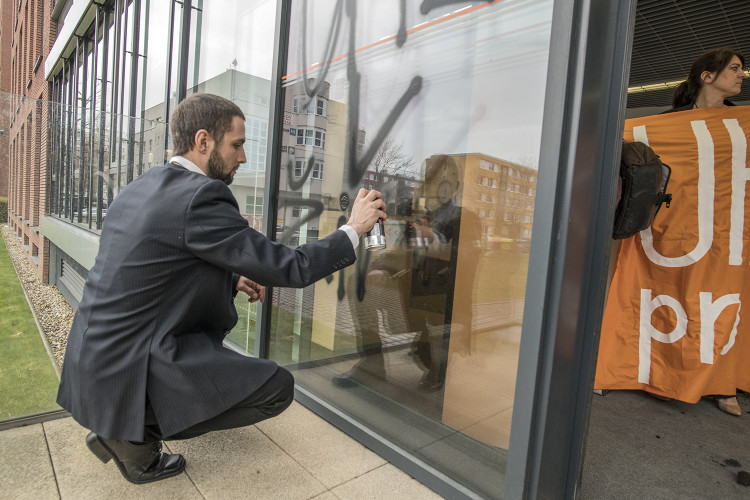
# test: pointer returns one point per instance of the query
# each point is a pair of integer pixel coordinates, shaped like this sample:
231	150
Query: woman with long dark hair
714	76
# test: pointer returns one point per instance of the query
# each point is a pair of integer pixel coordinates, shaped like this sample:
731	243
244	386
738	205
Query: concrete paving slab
639	447
326	496
244	463
25	467
384	483
81	475
327	453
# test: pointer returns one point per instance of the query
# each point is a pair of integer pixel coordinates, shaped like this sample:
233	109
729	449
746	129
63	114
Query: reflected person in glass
411	285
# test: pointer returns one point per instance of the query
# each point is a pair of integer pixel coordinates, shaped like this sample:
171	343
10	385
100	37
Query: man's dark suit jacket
159	301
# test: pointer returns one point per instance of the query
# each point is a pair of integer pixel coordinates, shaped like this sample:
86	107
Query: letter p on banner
648	332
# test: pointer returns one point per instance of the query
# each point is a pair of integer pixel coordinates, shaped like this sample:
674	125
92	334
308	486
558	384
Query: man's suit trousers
270	400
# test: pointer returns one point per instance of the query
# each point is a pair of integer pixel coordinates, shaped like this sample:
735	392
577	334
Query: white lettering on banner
648	332
706	184
709	313
740	176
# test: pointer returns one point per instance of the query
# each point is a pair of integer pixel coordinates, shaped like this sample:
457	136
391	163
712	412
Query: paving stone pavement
296	455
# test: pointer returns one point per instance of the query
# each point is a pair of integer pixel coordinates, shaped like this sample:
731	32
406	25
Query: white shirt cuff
352	234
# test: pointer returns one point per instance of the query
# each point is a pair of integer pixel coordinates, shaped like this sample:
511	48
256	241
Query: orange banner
674	323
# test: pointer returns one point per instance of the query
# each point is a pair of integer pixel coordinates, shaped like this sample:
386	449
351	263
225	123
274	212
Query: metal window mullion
198	40
102	120
273	160
68	131
117	26
59	108
92	120
184	51
144	71
52	163
82	150
52	132
64	130
74	125
168	80
62	143
132	105
121	110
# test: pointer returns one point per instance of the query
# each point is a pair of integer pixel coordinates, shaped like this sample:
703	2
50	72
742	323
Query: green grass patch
28	383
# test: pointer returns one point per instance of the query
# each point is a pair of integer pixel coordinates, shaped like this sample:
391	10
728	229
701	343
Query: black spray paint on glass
354	165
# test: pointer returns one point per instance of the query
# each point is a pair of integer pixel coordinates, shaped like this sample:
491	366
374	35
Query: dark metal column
581	136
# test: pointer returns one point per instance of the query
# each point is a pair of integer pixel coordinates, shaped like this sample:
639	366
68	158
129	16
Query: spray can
375	237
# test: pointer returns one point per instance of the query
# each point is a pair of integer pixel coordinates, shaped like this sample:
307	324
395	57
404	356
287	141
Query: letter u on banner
740	176
706	184
648	332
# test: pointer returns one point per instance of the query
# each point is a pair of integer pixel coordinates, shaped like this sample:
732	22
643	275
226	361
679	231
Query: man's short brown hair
209	112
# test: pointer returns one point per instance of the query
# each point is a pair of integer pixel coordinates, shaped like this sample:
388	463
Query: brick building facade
31	36
6	31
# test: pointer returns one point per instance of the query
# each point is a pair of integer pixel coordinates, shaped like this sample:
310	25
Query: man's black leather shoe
138	463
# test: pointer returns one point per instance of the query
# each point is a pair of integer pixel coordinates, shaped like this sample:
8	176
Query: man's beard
217	168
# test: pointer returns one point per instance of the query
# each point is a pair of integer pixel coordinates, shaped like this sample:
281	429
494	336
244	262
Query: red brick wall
31	41
6	32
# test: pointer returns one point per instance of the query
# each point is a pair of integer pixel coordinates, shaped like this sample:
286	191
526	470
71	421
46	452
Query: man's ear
201	141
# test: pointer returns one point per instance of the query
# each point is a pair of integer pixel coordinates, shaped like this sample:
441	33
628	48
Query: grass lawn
28	383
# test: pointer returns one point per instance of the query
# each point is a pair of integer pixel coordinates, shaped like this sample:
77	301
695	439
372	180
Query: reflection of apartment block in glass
305	166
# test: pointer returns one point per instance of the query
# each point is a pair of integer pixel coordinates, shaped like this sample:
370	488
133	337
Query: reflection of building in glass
307	169
502	194
250	93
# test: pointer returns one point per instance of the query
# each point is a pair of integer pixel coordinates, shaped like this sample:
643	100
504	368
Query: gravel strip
52	310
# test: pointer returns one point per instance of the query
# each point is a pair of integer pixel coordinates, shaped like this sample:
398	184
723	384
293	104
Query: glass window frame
584	106
582	127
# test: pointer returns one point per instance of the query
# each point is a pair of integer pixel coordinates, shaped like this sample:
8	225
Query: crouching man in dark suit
145	360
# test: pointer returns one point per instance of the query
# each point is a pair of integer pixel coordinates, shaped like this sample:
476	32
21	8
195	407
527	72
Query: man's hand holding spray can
367	206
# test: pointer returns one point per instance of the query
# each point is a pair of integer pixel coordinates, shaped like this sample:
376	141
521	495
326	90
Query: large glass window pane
231	55
441	110
152	73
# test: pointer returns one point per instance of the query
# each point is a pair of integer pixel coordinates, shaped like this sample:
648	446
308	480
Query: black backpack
641	190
